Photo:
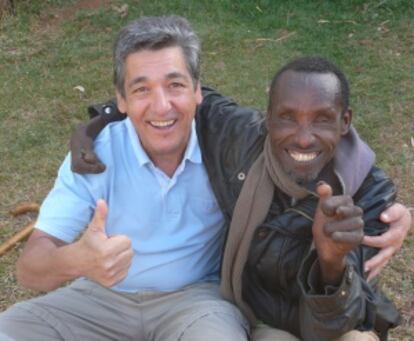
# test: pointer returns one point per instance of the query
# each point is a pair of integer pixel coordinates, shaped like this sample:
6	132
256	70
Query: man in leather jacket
303	270
231	139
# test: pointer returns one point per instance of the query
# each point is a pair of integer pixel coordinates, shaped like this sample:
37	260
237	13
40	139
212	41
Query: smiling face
306	122
160	99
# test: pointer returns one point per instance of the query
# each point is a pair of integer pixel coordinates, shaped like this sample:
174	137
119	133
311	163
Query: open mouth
162	124
303	157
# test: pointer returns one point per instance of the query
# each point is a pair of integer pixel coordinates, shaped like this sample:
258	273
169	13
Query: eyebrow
290	107
171	75
137	80
174	75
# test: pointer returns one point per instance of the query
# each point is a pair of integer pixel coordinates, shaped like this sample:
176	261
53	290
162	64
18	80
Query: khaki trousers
87	311
265	333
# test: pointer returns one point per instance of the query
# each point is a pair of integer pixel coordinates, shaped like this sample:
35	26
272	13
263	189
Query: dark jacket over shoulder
279	277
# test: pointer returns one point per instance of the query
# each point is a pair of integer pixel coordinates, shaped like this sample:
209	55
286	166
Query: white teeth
301	157
162	124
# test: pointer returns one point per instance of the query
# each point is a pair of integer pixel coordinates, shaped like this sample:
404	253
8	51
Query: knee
4	337
6	326
216	326
263	332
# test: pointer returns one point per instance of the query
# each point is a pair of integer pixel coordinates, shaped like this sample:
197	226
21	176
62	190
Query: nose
304	136
161	104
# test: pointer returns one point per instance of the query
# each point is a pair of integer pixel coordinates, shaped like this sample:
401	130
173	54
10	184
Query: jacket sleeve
354	304
101	114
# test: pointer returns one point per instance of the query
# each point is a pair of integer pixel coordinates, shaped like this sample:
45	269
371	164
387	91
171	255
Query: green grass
52	46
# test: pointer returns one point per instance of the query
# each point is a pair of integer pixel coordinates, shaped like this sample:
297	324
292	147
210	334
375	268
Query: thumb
99	218
324	190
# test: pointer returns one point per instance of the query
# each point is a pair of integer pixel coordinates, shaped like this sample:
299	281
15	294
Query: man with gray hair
141	267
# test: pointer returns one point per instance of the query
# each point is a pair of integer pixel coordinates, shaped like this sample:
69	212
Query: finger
99	218
81	167
119	244
375	264
374	273
351	237
120	260
331	205
120	274
379	260
90	158
348	211
380	241
95	168
125	258
86	162
346	225
393	213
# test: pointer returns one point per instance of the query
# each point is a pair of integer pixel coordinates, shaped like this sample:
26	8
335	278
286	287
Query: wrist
71	255
332	271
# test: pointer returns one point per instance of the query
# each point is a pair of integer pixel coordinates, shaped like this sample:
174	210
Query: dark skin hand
84	160
337	229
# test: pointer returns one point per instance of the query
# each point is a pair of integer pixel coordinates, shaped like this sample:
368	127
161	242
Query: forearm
44	266
353	304
95	126
332	309
332	271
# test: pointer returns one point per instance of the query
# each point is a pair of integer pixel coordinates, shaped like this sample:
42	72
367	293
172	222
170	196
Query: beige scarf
251	210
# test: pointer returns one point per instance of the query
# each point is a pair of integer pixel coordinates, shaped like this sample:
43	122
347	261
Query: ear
267	119
346	120
121	102
198	93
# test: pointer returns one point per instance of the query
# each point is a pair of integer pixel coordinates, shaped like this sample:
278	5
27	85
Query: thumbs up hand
337	229
103	259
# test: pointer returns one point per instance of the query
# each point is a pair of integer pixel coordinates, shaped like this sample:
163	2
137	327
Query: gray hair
155	33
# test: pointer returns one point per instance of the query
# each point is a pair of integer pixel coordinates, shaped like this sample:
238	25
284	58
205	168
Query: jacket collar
352	162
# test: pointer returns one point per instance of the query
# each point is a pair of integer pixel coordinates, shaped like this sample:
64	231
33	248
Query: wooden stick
24	208
18	237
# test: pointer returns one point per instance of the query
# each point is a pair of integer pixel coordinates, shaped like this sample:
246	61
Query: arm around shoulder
84	159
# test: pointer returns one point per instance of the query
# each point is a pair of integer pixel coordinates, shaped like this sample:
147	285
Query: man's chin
303	179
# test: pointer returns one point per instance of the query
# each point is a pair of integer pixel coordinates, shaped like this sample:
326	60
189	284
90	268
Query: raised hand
106	259
337	229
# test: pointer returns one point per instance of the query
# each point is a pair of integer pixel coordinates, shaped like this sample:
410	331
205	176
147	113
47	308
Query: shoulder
112	133
112	139
376	193
217	110
376	184
222	122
